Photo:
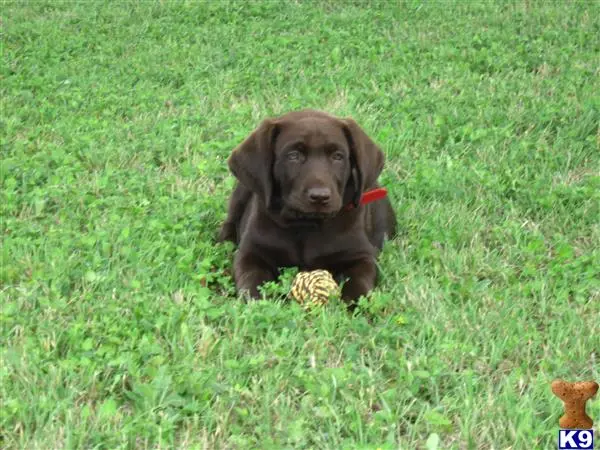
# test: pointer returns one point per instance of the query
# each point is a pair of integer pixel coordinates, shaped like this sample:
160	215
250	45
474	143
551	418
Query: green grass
120	326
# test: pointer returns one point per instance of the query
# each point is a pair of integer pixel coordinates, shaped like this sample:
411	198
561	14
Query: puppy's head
307	164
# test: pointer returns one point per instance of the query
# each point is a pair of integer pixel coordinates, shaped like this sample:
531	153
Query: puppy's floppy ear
366	158
252	161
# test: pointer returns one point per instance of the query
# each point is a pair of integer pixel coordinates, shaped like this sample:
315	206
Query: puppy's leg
250	272
240	198
361	279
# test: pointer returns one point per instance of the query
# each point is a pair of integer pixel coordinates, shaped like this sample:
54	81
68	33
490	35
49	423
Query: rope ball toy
314	288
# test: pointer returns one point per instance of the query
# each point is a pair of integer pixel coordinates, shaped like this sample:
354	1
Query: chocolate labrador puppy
297	202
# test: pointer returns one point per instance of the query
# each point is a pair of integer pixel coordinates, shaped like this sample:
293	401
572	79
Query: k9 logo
575	439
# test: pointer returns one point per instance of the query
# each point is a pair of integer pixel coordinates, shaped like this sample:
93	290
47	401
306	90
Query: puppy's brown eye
337	156
294	155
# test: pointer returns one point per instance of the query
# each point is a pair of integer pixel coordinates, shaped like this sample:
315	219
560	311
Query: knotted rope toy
314	288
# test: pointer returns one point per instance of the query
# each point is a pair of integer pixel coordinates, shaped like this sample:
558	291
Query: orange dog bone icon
574	396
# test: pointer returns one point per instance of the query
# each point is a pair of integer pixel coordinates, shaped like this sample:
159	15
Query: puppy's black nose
319	195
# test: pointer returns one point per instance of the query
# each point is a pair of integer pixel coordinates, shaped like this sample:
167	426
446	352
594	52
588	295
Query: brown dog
297	202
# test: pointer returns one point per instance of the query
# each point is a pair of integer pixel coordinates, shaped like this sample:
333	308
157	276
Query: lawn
120	327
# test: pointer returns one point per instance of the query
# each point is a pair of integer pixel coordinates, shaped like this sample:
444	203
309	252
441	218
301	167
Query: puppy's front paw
361	279
247	292
356	287
247	281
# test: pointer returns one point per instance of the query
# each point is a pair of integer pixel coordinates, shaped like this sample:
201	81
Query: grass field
120	325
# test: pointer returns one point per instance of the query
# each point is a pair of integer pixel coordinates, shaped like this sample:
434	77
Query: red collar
370	196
